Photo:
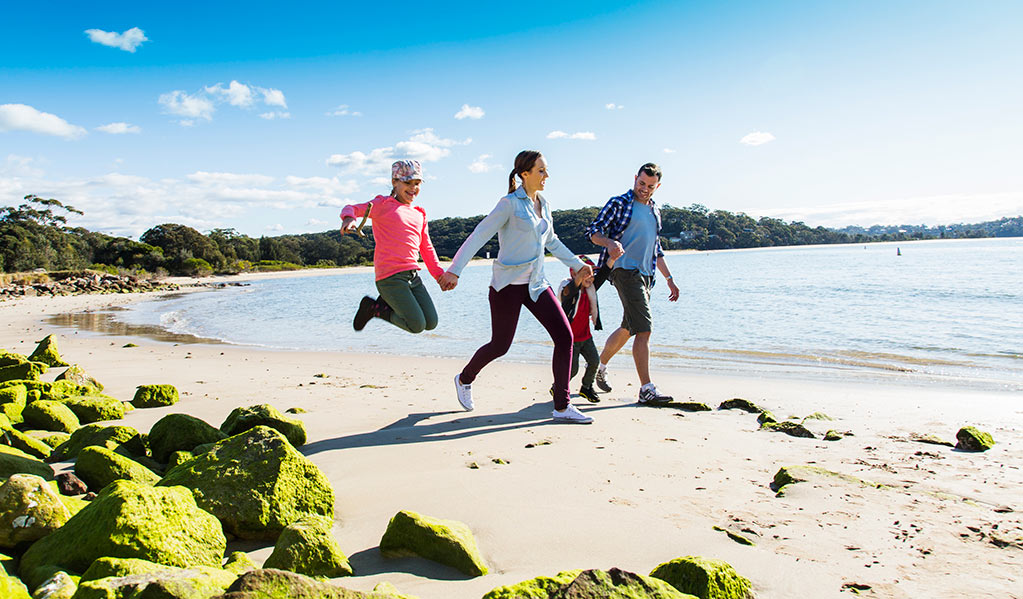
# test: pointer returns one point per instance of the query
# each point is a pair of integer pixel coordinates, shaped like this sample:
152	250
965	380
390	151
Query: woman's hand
584	271
448	281
347	225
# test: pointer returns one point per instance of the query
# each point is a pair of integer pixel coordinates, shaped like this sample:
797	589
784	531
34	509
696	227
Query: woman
522	221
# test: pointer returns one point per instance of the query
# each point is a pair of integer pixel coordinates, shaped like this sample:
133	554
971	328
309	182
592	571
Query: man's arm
663	267
614	249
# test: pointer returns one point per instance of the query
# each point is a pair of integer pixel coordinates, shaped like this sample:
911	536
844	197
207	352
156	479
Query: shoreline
638	487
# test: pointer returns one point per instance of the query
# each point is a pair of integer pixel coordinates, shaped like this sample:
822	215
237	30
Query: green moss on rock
51	438
155	396
110	437
13	461
269	583
95	408
388	589
30	509
793	429
256	482
30	371
605	584
76	374
244	418
116	567
59	586
51	415
239	562
10	358
46	352
197	582
973	439
98	467
128	519
706	578
447	542
738	403
788	475
766	417
12	588
180	432
930	439
18	440
307	546
833	435
13	400
177	458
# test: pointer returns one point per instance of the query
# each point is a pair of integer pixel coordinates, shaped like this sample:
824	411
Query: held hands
347	225
448	281
615	250
585	271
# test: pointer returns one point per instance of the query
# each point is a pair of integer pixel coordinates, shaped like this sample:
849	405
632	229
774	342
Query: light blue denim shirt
521	243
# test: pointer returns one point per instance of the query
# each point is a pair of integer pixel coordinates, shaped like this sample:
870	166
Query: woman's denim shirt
521	243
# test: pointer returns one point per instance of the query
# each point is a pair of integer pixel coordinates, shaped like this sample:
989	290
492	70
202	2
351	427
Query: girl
522	221
401	236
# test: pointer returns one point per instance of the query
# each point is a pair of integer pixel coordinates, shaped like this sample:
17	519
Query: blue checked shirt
612	220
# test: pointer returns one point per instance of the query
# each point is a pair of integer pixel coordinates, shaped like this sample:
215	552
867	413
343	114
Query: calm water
944	312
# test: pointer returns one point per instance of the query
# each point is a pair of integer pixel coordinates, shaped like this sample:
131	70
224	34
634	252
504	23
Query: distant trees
36	235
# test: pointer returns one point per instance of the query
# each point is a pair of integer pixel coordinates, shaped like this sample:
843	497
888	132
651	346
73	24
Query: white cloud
613	106
323	185
423	145
208	178
377	161
276	227
119	128
235	94
191	107
21	117
273	97
583	135
343	110
275	115
127	41
757	138
480	165
315	222
670	150
20	166
469	112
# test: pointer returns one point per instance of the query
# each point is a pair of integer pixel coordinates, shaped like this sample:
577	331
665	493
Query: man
627	229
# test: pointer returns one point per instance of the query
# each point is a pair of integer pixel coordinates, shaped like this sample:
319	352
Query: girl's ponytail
511	182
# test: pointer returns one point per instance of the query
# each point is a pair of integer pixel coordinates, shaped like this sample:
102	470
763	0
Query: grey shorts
634	291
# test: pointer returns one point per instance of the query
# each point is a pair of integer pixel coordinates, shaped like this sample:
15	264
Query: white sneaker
464	394
571	415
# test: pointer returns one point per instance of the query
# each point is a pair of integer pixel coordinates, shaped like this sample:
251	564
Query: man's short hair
651	170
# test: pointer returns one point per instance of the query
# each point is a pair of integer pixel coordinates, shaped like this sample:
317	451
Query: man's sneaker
602	380
571	416
648	394
589	394
367	307
464	393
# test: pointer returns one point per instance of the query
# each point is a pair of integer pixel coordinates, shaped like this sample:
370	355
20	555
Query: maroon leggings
505	306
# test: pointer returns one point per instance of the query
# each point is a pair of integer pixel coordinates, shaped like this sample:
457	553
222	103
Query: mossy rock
13	400
30	509
269	583
110	437
738	403
930	439
788	475
239	562
244	418
117	567
51	438
51	415
818	416
30	371
128	519
63	389
197	582
793	429
61	585
180	432
8	564
98	467
766	417
14	461
447	542
833	435
46	352
972	439
76	374
688	406
296	410
256	482
155	396
95	408
610	584
19	440
391	591
307	546
177	458
706	578
10	358
12	588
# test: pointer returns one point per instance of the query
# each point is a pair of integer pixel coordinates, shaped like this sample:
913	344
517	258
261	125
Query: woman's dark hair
523	164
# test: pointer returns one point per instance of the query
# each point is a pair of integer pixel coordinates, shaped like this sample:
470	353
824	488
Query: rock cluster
84	282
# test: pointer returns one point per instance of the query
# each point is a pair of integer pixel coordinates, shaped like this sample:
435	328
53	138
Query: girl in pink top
401	237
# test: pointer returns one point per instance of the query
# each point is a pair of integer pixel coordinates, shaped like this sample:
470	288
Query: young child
579	301
401	236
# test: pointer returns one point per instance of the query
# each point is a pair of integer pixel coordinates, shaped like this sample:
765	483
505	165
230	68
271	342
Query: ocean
941	312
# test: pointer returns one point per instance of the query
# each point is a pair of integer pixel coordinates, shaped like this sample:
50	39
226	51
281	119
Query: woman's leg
548	312
396	290
425	303
505	306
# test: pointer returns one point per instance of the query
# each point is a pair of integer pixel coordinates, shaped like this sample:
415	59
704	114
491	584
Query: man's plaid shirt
612	220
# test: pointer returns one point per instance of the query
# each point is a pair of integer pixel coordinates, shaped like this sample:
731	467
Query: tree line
36	235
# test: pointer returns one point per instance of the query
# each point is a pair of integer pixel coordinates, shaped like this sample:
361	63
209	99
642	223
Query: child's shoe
366	310
589	394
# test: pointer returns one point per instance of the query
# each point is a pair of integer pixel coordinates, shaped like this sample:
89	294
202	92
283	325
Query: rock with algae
973	439
704	577
244	418
155	396
30	509
46	352
307	546
446	542
606	584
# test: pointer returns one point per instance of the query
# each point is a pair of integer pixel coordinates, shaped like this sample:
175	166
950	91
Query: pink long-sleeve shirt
401	235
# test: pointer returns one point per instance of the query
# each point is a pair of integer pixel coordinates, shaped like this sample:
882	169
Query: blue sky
268	117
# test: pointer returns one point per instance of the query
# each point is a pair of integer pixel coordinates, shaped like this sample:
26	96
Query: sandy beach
638	487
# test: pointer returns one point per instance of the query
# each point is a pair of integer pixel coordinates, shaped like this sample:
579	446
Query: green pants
405	293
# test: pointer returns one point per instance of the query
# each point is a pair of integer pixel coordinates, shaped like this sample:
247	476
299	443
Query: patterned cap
586	259
407	170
